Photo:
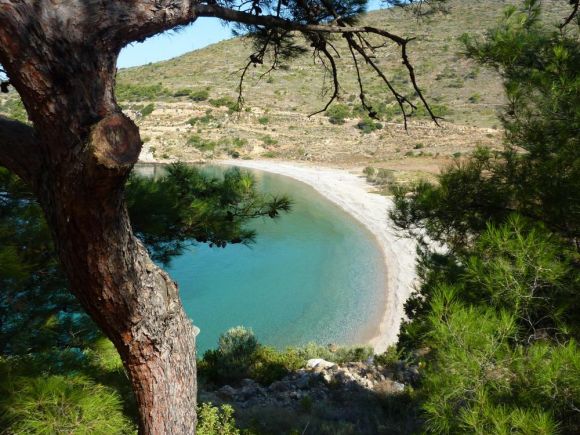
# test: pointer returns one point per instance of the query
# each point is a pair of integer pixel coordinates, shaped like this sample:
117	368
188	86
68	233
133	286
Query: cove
315	274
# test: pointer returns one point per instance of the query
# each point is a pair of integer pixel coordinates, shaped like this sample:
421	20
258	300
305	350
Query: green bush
130	92
200	143
389	357
205	119
380	176
271	365
228	102
369	171
367	125
199	95
437	109
475	98
339	355
148	109
213	420
182	92
234	357
239	142
263	120
60	404
268	140
240	356
337	113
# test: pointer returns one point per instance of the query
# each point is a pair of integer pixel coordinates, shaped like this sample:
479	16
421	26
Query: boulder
226	392
319	363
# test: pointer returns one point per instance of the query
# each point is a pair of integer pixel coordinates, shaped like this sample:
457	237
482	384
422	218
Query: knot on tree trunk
115	142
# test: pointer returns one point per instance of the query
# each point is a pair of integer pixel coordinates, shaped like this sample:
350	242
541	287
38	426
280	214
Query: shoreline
351	193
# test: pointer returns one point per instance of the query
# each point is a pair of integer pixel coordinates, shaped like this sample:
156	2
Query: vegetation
498	307
368	125
228	102
201	144
337	113
148	109
138	92
57	372
215	420
199	95
497	310
239	356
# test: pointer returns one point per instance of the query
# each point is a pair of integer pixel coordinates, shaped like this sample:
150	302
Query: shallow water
315	274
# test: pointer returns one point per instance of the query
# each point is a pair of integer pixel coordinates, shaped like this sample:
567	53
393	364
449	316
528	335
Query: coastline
351	193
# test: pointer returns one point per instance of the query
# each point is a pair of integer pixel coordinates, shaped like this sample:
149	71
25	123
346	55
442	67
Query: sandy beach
352	194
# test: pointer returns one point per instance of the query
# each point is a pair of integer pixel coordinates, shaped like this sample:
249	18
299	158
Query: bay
315	274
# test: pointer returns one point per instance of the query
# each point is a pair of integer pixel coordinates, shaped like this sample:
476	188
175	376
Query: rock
226	392
303	381
319	363
279	386
327	377
249	382
397	387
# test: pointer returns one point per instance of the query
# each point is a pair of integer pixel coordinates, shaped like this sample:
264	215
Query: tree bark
134	302
77	157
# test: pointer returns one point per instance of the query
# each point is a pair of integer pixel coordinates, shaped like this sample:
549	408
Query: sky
203	32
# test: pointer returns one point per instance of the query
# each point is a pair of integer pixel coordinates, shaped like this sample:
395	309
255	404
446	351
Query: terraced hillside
184	105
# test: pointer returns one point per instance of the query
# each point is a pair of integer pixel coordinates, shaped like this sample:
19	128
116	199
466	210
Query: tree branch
19	149
273	21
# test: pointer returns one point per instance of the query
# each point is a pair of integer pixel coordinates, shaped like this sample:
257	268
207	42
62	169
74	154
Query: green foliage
237	348
239	142
228	102
201	144
56	404
239	356
272	365
182	92
540	70
368	125
36	308
474	98
268	140
215	420
499	306
205	119
439	110
14	108
199	95
186	205
495	385
263	120
339	355
148	109
45	393
381	177
131	92
369	171
389	357
337	113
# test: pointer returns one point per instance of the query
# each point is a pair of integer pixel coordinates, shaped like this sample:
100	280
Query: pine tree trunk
133	301
61	58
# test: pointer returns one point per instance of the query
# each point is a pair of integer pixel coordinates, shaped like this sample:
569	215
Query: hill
183	106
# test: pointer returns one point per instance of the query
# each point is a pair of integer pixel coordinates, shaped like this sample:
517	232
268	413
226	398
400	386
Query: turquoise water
312	275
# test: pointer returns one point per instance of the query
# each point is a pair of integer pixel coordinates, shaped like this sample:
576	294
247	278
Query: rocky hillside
326	398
